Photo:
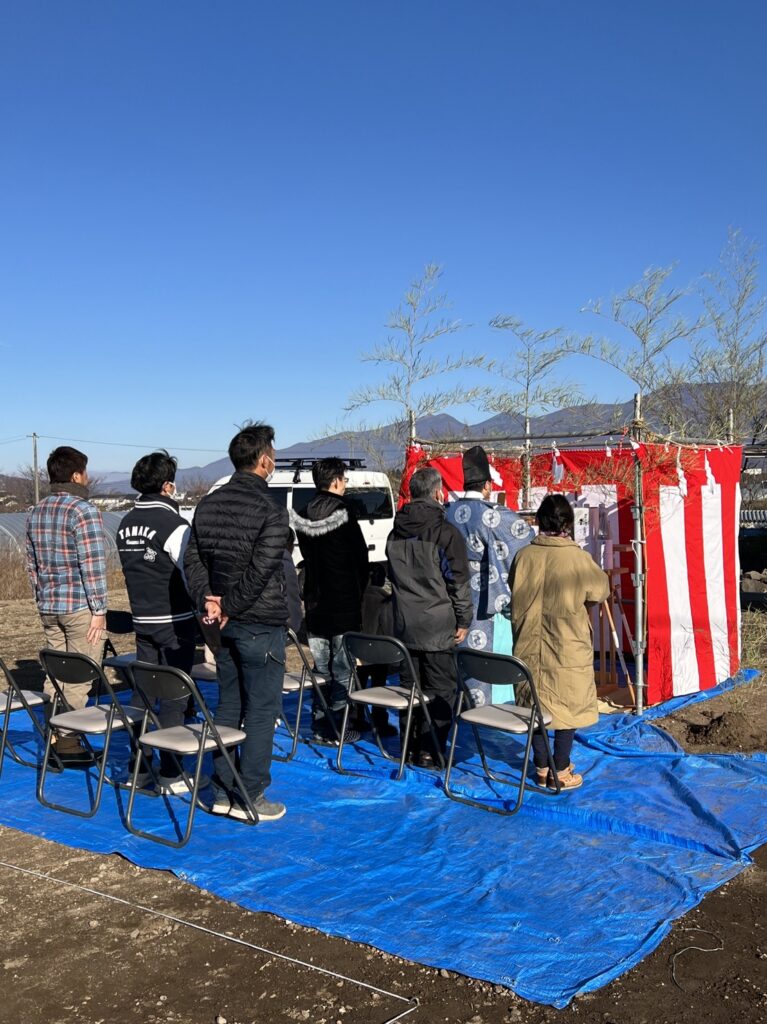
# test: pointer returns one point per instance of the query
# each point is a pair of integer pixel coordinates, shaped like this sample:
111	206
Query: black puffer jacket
239	534
430	577
336	564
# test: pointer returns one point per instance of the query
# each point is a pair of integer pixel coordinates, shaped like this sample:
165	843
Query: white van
370	494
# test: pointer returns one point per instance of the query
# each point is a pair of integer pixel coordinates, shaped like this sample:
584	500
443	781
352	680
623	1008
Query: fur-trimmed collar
319	527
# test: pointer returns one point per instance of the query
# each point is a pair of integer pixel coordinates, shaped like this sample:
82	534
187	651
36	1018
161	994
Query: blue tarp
560	899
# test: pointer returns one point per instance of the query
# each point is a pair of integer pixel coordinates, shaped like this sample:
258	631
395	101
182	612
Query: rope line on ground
413	1000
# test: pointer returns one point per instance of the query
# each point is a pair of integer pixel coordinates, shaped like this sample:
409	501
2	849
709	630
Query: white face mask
270	476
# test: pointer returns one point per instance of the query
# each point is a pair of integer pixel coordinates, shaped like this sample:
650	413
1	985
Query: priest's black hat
476	468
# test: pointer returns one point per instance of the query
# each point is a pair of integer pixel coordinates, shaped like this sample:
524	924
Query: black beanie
476	468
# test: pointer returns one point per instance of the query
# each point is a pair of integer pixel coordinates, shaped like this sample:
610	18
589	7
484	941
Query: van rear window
369	502
301	498
280	495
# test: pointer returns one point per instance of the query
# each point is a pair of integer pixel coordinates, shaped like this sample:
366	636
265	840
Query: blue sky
209	209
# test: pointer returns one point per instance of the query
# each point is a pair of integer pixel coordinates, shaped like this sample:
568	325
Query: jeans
563	745
172	645
331	662
250	666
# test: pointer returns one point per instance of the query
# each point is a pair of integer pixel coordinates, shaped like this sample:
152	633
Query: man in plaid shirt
66	561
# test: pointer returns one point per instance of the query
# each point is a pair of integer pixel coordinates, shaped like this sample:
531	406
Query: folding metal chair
295	682
94	720
15	699
383	650
161	682
498	670
202	671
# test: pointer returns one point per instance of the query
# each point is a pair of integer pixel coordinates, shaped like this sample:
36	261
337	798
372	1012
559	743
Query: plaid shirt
66	556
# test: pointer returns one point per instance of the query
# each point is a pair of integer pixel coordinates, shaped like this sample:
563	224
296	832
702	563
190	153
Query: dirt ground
77	954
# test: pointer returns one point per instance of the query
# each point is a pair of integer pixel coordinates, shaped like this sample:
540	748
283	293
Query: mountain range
381	448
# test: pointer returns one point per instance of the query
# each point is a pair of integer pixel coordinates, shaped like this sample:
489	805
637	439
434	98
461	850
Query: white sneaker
221	805
266	810
178	786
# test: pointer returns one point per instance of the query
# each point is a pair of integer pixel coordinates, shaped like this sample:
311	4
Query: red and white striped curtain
691	500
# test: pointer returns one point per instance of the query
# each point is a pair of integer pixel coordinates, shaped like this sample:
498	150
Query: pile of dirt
716	727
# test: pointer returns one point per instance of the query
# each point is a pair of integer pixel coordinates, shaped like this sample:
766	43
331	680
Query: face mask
270	476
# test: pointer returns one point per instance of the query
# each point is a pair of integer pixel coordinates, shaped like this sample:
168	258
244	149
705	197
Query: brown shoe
568	779
542	775
70	751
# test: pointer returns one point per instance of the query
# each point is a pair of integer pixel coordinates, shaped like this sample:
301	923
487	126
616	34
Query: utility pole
35	469
526	473
411	426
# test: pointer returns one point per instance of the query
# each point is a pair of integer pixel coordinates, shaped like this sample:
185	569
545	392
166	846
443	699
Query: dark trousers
563	745
168	644
250	665
437	678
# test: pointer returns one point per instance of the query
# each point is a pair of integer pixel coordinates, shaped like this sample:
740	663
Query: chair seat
185	739
397	697
291	682
506	717
32	697
202	672
93	720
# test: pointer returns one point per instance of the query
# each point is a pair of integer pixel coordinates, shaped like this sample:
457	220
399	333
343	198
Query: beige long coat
551	580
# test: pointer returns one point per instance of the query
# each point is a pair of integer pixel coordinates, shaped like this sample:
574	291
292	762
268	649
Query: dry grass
754	641
14	582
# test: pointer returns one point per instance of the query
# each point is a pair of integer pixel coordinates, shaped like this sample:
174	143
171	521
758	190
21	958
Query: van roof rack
300	464
306	463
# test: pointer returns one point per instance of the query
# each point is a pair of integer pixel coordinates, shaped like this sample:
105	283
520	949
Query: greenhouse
13	527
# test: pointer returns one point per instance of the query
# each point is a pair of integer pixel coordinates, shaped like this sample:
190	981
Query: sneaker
326	739
267	810
178	786
221	805
143	780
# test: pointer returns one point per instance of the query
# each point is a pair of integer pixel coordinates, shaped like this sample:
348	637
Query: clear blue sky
208	209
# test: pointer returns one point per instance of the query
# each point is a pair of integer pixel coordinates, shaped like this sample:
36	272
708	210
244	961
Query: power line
129	444
10	440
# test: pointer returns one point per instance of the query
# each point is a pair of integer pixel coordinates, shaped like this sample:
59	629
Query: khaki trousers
68	633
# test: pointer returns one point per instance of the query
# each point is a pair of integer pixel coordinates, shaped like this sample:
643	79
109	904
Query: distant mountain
383	447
